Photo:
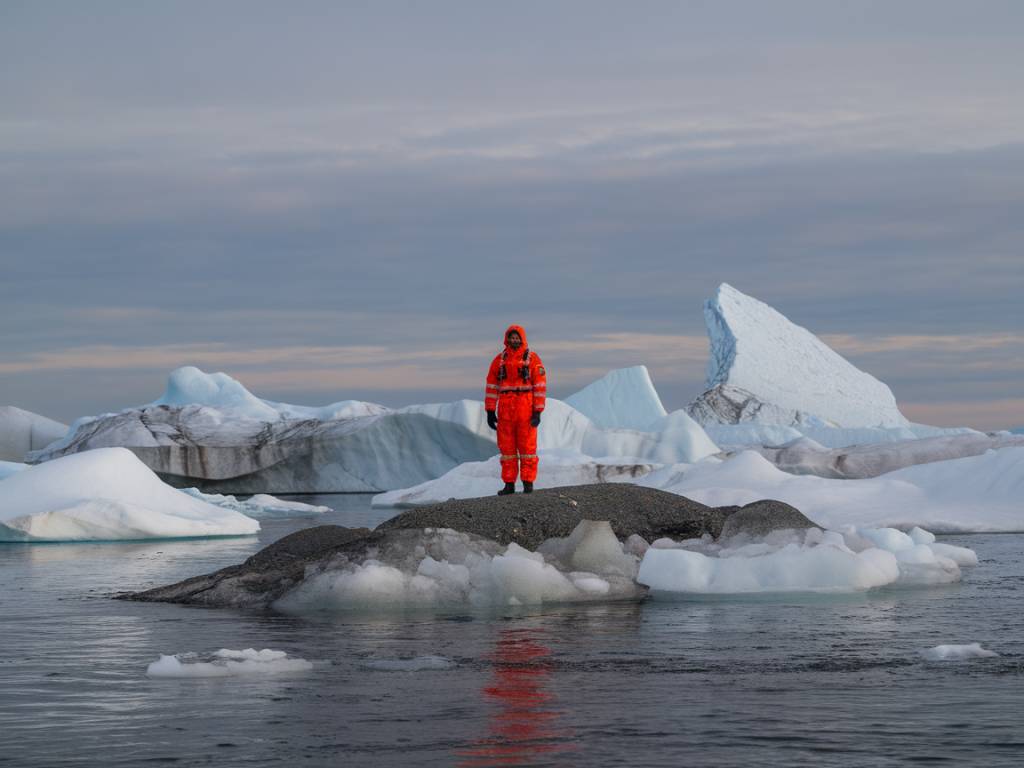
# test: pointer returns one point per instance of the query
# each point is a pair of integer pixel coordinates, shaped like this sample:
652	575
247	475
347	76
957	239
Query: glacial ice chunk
795	561
22	431
958	652
442	567
765	369
622	399
228	663
106	494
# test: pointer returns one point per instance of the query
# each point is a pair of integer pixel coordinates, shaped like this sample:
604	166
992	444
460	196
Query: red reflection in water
524	725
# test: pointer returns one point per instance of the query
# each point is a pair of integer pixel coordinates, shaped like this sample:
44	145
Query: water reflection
524	723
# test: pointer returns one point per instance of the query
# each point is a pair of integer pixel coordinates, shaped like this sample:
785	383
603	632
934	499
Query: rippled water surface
806	680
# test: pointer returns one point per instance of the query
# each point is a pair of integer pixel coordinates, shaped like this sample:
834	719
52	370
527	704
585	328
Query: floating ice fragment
958	652
228	663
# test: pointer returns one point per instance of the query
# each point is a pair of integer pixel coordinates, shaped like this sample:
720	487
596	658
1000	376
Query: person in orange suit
516	390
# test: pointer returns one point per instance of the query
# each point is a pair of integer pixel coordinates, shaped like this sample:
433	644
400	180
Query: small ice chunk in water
228	663
958	652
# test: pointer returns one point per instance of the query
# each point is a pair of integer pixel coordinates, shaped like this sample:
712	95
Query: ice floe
958	652
800	561
102	495
228	663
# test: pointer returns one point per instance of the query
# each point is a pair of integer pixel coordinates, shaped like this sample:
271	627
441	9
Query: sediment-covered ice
798	561
228	663
764	368
22	431
259	505
958	652
106	494
622	399
973	494
442	567
483	478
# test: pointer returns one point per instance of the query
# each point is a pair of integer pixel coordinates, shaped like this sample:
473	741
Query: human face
514	340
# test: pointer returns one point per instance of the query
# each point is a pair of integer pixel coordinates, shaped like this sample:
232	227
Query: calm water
797	681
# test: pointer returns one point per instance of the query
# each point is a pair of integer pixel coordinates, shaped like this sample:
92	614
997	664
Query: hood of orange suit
522	335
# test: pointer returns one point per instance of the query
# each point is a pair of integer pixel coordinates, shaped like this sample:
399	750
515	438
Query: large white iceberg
231	441
103	495
621	399
23	431
765	369
190	386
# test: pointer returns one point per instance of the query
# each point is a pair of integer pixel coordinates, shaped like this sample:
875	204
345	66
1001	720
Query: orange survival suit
517	388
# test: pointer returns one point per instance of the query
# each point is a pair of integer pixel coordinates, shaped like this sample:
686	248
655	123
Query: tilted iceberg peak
766	369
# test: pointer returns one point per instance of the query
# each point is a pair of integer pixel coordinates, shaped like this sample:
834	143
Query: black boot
509	488
527	487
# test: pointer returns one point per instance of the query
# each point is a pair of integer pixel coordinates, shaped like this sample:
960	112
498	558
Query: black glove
492	419
535	419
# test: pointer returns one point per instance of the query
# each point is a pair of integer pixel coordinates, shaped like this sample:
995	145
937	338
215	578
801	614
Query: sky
334	200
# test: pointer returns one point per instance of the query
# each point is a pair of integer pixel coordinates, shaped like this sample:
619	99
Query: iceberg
765	369
106	494
970	494
190	386
8	468
255	446
622	399
23	431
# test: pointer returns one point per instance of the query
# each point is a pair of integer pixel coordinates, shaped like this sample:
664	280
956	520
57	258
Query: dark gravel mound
524	519
529	519
760	518
266	575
